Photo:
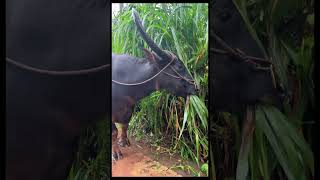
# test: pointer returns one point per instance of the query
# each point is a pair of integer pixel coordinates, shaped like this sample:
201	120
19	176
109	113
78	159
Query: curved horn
144	35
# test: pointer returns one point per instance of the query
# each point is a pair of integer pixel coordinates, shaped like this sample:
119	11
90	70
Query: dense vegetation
280	147
182	29
94	154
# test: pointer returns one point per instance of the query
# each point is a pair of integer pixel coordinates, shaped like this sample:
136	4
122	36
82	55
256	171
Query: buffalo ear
149	55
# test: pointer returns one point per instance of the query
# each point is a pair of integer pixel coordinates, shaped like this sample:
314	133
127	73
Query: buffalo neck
129	69
144	90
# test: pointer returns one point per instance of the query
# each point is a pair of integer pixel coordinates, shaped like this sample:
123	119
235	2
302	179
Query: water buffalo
46	111
135	78
240	74
236	82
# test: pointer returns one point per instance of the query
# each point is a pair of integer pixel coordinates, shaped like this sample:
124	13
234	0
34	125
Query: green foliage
289	147
278	149
88	166
183	30
190	169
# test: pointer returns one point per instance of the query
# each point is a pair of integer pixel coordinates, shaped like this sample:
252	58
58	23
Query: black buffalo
138	73
235	82
46	113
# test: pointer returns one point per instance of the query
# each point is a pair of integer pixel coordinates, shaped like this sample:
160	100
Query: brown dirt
141	160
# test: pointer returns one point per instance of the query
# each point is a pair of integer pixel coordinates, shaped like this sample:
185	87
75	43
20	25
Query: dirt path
143	160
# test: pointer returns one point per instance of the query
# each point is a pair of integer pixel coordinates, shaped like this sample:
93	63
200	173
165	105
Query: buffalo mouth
188	94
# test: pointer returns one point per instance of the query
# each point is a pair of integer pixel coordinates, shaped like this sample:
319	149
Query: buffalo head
235	83
175	77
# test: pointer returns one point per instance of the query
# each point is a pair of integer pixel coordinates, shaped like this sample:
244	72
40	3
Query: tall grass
280	147
183	30
93	157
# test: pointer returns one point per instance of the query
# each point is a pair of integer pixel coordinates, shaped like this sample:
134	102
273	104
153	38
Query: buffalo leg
123	139
116	153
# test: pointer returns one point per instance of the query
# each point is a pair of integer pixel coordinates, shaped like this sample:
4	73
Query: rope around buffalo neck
241	55
147	80
57	73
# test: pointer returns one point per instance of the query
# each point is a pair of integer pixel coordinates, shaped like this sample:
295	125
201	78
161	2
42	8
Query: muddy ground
141	159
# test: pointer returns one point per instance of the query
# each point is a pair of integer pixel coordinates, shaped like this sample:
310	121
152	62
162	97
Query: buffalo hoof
123	142
116	155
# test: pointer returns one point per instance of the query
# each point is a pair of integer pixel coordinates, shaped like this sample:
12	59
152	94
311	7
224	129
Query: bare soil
140	159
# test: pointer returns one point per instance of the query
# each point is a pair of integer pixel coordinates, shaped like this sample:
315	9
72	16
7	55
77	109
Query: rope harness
177	74
101	68
57	73
238	54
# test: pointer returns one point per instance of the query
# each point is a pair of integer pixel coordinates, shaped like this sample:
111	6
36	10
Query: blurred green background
280	146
